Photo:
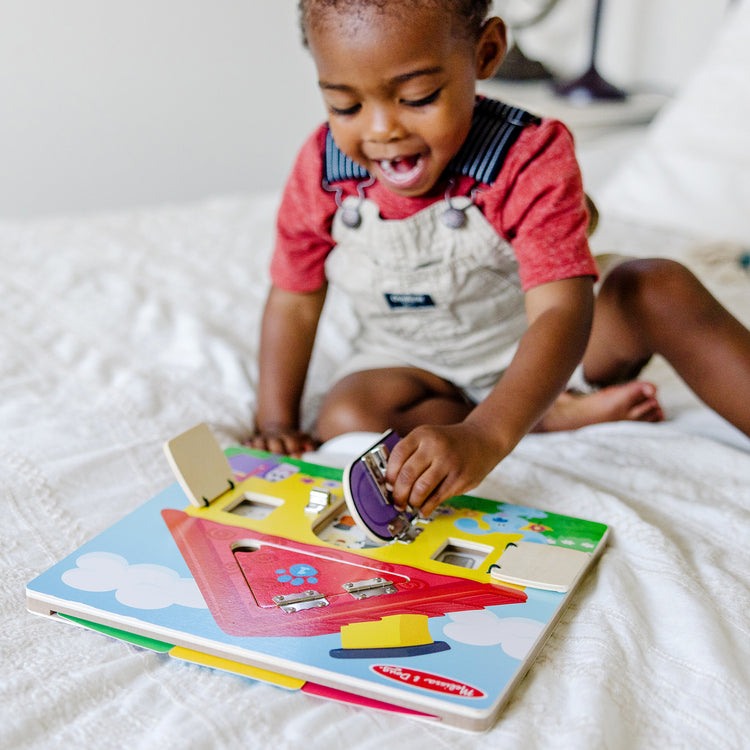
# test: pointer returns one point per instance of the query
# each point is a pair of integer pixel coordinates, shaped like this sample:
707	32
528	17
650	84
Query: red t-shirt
536	203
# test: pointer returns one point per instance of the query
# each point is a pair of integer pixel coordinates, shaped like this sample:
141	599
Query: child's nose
384	125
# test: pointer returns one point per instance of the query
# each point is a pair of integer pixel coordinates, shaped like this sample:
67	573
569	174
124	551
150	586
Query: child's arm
433	463
290	321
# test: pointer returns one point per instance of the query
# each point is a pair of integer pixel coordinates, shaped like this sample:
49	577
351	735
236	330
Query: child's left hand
433	463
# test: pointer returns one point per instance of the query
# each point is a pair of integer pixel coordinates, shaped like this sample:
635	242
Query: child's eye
424	101
344	111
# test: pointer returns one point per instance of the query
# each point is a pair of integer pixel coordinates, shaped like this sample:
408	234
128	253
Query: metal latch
376	461
403	529
370	587
319	500
402	526
304	600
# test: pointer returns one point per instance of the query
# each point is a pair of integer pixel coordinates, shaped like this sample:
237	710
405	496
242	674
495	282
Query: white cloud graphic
141	586
515	635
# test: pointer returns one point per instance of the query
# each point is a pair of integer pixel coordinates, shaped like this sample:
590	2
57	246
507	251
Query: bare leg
399	398
648	307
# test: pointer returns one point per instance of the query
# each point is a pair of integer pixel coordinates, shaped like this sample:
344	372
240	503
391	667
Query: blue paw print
297	575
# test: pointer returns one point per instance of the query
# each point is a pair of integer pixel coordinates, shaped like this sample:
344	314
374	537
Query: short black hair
468	14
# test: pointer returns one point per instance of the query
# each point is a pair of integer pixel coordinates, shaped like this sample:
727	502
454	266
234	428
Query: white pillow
693	171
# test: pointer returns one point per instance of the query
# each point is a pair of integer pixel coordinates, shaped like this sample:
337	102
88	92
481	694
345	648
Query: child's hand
286	441
433	463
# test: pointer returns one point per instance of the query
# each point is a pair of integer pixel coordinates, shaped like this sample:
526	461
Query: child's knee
342	414
649	287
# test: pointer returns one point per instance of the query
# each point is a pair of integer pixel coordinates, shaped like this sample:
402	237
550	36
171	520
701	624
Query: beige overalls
444	299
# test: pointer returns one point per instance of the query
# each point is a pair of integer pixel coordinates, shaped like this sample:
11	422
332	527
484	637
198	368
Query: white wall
107	104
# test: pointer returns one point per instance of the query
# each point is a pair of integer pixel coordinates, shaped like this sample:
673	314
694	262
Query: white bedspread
120	331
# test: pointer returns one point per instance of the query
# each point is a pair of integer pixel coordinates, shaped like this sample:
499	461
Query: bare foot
635	401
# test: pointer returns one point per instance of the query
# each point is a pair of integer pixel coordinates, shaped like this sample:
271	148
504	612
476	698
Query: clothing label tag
409	300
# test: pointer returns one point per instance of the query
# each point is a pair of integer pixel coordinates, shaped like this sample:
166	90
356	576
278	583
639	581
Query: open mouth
402	171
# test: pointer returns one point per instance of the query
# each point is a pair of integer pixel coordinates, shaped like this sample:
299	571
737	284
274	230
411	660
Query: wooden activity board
253	563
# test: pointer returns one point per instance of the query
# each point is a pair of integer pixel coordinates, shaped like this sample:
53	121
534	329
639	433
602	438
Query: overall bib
444	299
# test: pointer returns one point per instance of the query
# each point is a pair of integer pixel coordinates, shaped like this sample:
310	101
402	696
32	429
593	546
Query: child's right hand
435	462
286	441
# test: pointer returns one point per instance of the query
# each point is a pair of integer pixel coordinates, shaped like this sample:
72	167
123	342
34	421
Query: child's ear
491	48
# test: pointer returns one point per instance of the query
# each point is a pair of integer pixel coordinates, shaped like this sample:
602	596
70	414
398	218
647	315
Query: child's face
400	90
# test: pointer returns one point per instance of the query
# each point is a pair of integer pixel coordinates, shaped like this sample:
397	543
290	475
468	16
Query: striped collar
495	127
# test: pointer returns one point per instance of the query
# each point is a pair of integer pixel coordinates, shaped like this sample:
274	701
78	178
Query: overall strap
495	127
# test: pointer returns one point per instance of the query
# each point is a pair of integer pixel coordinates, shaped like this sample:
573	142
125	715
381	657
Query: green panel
122	635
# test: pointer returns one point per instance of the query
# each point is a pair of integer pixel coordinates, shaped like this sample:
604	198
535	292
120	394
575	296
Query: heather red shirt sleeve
303	223
537	203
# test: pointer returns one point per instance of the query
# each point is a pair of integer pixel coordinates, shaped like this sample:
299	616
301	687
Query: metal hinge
370	587
304	600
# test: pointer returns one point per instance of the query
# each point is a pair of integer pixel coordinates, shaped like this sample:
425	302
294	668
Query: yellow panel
217	662
290	521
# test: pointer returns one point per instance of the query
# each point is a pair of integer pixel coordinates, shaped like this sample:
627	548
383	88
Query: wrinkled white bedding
119	331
